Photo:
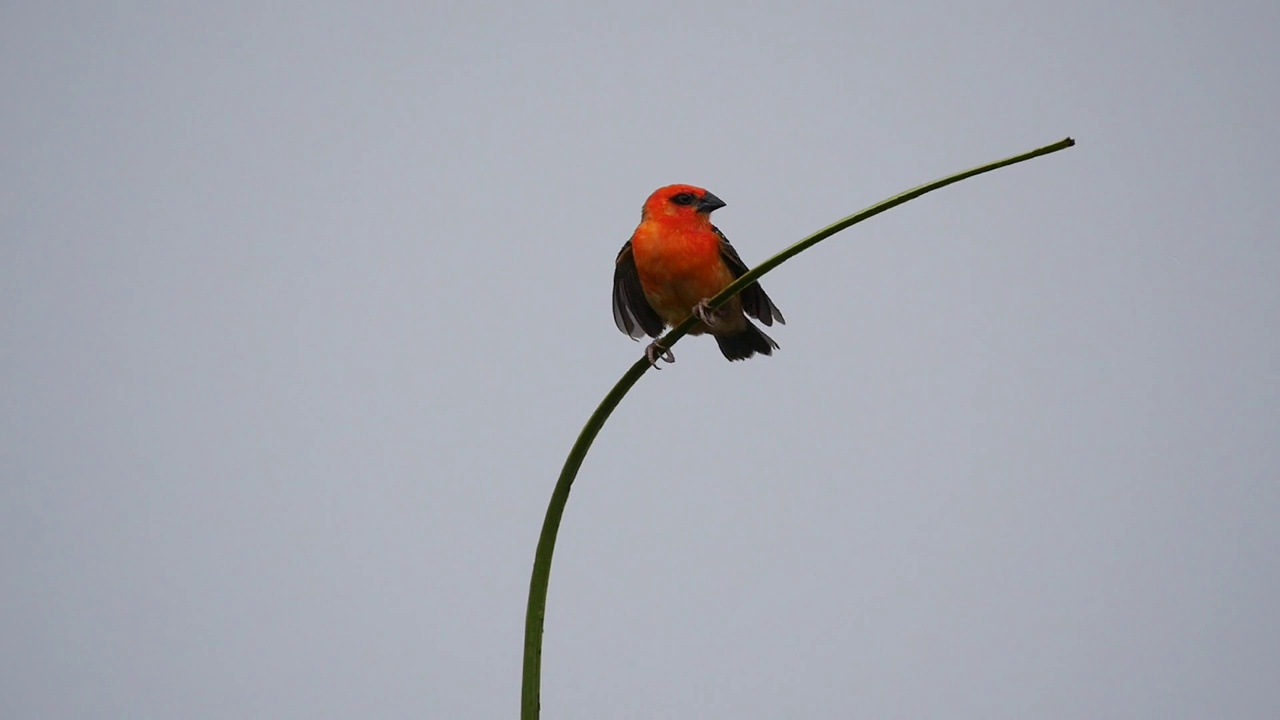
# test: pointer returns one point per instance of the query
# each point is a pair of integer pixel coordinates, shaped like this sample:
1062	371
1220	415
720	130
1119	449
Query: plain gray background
301	308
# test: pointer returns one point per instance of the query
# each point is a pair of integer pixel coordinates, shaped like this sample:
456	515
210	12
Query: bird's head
686	202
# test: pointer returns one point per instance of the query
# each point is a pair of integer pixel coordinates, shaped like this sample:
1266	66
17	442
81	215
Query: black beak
709	202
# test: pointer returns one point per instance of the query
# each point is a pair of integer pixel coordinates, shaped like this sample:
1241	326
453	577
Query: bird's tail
749	341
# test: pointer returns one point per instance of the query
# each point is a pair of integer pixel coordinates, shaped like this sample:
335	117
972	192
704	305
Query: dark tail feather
746	343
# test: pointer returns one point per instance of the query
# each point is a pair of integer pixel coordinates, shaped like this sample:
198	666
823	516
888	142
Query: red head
681	202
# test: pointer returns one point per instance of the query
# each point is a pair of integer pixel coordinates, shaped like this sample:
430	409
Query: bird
676	261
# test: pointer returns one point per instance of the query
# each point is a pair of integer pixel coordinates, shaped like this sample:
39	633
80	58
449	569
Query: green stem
536	612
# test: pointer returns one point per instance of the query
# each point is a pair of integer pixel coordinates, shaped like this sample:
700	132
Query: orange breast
678	267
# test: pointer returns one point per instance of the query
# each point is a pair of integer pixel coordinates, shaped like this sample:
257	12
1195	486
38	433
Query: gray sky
301	309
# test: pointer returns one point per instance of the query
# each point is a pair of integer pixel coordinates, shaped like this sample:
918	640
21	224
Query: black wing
754	301
631	311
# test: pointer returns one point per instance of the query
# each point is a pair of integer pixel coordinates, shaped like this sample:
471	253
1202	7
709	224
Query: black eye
683	199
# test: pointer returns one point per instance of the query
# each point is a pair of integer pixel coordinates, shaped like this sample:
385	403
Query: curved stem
536	611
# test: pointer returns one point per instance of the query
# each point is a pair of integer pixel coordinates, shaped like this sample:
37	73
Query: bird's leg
704	313
657	351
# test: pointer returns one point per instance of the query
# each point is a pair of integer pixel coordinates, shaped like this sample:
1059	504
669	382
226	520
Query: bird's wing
631	311
754	301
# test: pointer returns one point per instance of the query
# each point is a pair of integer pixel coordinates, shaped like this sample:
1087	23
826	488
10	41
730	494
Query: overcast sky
302	307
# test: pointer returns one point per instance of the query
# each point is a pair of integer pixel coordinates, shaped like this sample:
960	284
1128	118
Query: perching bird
674	262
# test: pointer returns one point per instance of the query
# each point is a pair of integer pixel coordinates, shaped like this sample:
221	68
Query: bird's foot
705	314
655	352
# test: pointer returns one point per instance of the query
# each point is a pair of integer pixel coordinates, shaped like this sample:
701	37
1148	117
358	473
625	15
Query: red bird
674	262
